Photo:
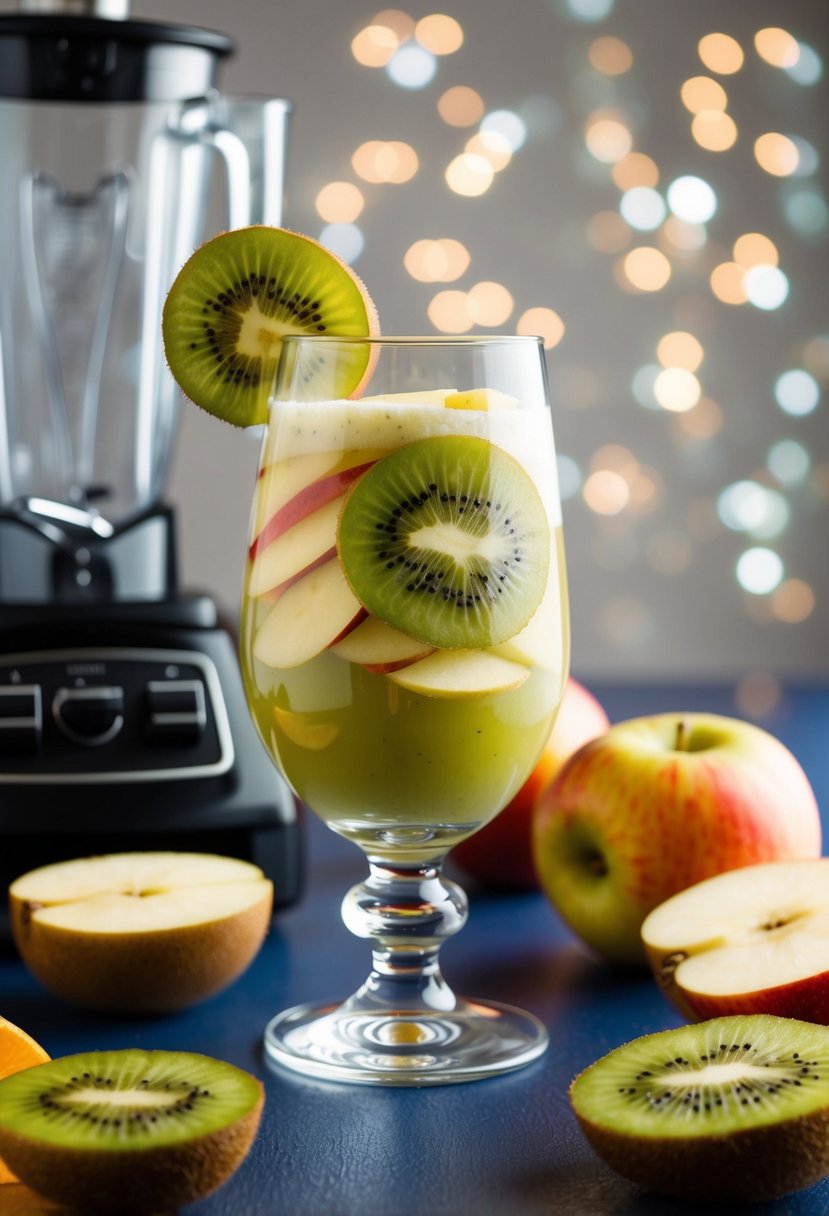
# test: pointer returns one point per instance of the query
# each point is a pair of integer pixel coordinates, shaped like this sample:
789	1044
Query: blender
123	723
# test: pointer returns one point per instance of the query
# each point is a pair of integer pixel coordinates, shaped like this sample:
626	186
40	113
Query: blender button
91	715
21	718
177	711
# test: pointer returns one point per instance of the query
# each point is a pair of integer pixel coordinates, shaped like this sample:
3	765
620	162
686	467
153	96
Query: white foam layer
300	427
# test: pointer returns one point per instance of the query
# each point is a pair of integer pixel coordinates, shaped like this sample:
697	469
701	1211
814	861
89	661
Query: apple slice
278	483
313	496
380	647
140	932
303	730
312	614
481	399
460	673
752	940
541	642
297	550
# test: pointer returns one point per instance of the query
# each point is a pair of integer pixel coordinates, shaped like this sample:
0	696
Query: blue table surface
508	1145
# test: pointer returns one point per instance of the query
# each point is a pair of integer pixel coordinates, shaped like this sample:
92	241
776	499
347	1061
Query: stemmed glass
405	647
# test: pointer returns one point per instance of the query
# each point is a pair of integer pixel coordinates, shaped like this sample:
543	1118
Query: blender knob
21	719
90	716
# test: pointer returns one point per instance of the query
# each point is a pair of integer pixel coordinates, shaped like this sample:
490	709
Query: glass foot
472	1041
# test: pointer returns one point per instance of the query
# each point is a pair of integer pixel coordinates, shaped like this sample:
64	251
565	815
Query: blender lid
61	57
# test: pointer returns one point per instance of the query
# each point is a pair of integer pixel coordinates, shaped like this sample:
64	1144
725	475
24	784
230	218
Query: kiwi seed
236	298
128	1131
447	540
736	1108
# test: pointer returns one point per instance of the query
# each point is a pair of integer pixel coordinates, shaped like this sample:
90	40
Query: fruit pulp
402	773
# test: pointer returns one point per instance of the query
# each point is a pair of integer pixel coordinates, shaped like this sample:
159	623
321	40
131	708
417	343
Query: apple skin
500	855
632	819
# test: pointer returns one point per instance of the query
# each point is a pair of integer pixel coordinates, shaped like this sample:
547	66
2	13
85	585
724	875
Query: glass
408	726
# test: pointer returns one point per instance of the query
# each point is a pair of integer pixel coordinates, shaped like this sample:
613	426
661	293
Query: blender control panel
106	715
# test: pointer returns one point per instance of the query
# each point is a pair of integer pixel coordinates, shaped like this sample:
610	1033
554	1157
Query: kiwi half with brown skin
236	298
736	1108
133	1132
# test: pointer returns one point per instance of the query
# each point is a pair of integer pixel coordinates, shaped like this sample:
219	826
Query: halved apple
752	940
140	932
380	647
315	612
297	550
460	673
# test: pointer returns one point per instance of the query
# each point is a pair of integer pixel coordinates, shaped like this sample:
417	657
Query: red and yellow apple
754	940
657	804
500	854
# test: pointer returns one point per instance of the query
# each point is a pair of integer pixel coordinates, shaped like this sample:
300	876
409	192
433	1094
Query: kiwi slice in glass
736	1108
128	1131
236	298
447	540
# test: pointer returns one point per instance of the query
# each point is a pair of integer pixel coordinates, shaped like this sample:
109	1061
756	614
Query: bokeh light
439	33
608	138
461	106
437	261
544	323
340	202
757	694
721	53
777	46
806	211
346	240
610	56
776	153
646	268
492	147
789	462
816	357
643	208
808	157
702	93
449	312
809	67
606	492
759	570
755	249
508	125
676	389
766	287
385	161
635	169
728	283
469	174
395	19
747	506
412	66
680	349
374	46
682	236
714	130
692	199
642	385
702	422
793	601
589	10
569	476
490	303
797	392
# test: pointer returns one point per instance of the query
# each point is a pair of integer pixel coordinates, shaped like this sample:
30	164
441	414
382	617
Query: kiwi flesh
128	1131
235	299
447	540
735	1108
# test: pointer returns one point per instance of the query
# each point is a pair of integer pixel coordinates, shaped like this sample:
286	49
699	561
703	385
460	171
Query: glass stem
406	911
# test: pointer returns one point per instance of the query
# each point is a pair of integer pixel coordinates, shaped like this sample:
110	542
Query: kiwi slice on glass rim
236	298
128	1131
736	1108
447	540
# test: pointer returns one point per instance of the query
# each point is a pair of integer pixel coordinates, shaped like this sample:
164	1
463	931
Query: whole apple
658	804
500	855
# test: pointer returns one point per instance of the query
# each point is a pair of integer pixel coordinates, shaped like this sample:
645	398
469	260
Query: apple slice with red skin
300	485
380	648
751	940
312	614
296	551
460	673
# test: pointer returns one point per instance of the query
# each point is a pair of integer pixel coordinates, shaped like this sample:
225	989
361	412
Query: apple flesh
500	855
305	502
140	932
315	612
460	673
296	551
755	940
380	647
657	804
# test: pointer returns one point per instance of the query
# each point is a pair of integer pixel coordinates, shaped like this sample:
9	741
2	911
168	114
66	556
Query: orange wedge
18	1050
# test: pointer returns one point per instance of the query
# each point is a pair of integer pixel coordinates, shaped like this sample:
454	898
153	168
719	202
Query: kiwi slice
736	1108
236	298
128	1131
447	540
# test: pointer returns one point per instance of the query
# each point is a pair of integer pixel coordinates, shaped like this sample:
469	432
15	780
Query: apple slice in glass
752	940
460	673
380	647
278	511
312	614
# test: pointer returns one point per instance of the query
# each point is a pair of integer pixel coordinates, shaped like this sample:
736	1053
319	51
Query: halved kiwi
736	1108
447	540
128	1131
236	298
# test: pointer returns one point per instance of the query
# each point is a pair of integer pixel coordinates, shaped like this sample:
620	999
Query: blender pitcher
114	137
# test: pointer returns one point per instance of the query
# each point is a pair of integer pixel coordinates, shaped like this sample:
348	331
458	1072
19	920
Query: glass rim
419	340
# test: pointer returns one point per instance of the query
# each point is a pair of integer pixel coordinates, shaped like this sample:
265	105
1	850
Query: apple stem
683	735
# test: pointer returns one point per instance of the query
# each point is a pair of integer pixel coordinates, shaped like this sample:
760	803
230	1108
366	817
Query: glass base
474	1040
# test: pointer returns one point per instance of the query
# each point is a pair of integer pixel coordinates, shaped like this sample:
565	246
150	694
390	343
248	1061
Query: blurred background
644	185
